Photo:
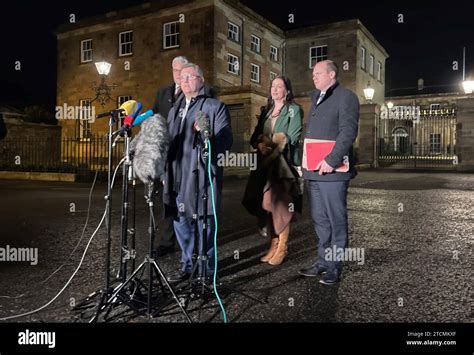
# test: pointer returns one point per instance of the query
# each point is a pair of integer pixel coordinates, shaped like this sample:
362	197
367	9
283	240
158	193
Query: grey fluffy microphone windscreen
150	149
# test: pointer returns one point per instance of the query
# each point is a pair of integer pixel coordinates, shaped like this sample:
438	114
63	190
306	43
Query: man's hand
324	168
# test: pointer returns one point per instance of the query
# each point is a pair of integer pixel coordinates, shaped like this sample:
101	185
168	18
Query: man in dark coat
334	115
165	99
183	167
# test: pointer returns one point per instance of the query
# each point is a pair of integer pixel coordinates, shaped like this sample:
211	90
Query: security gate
414	137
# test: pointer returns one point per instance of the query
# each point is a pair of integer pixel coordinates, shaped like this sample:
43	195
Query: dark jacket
182	154
335	118
281	173
289	122
165	98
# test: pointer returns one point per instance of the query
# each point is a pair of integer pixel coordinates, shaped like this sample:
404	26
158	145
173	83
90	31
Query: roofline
354	22
372	38
453	93
114	15
149	8
236	4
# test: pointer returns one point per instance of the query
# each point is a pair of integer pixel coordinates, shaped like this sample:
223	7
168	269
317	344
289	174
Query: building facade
359	56
239	51
424	130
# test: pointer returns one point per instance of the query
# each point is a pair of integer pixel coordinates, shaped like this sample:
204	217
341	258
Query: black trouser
168	237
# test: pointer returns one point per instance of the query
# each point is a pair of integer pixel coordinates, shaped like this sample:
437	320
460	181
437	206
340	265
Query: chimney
420	84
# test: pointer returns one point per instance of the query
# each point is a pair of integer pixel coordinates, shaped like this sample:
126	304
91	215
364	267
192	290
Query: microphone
150	149
138	120
203	126
131	108
129	121
110	113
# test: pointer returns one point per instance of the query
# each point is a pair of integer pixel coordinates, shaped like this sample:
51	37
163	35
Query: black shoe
178	276
313	271
162	250
330	278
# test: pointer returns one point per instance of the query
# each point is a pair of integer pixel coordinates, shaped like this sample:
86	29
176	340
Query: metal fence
67	155
427	142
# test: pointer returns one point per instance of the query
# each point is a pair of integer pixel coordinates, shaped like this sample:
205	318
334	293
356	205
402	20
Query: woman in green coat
273	191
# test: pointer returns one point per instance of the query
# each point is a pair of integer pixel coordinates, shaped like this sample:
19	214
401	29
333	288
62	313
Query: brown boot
282	249
273	248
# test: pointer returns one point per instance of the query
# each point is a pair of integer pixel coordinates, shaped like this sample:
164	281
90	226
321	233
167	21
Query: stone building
359	56
238	50
429	128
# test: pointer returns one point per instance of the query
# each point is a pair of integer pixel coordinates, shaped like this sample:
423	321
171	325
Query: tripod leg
160	272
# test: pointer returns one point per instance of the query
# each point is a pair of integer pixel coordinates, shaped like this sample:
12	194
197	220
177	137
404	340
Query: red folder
315	150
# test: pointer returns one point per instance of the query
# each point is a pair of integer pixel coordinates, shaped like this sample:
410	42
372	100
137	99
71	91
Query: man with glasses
166	97
180	177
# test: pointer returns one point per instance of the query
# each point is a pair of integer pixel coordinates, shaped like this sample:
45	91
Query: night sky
424	46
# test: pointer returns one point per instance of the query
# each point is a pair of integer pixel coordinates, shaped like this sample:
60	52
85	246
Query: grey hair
181	59
332	67
195	67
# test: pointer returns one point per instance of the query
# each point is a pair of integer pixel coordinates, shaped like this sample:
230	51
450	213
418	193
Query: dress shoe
163	250
330	278
313	271
178	276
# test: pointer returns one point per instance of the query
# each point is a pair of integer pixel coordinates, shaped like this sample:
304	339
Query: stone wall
28	144
465	134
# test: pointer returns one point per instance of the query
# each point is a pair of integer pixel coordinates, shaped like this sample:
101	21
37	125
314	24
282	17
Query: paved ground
416	229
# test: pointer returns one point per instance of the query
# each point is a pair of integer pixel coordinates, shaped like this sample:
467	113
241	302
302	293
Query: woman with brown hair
274	192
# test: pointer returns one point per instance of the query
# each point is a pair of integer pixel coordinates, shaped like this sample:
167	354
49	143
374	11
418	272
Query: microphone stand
199	286
125	254
199	274
151	266
106	291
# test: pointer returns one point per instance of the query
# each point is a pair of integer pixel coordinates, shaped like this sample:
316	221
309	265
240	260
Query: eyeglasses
189	76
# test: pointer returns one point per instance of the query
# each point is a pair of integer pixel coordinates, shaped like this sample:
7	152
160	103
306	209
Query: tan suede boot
282	249
271	251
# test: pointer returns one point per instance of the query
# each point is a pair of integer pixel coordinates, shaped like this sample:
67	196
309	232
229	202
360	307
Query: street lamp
467	85
103	68
369	92
102	91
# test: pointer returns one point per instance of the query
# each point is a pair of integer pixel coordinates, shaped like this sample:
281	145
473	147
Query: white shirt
321	96
185	110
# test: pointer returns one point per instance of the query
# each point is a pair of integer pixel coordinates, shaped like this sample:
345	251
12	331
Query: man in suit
165	99
183	167
334	115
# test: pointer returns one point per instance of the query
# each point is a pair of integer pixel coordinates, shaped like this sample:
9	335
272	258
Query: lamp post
467	85
369	93
103	90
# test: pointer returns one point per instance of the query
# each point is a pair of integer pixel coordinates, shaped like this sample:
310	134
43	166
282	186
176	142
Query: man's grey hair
332	67
181	59
196	68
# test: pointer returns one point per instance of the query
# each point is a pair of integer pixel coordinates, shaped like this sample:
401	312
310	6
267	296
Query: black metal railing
429	142
67	155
